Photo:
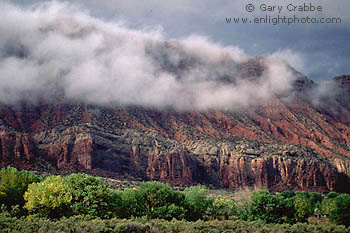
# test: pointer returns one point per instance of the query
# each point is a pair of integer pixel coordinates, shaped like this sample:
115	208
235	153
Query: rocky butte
281	144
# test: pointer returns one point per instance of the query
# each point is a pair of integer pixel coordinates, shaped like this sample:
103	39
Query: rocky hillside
288	142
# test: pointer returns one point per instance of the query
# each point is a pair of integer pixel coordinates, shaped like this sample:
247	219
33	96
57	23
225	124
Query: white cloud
58	46
293	58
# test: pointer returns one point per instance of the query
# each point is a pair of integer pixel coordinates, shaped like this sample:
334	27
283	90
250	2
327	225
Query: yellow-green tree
303	208
222	208
49	198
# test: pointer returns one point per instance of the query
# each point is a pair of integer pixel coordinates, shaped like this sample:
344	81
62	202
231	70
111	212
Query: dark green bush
288	194
92	196
154	200
332	195
131	204
13	185
315	200
340	211
270	208
196	202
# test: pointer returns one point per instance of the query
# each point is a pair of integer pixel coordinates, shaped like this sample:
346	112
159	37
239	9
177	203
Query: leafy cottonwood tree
155	200
340	210
92	196
49	198
271	208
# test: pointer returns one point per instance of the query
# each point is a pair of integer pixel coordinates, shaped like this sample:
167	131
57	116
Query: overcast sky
324	48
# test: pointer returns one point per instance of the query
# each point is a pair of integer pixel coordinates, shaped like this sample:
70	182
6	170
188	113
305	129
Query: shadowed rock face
286	143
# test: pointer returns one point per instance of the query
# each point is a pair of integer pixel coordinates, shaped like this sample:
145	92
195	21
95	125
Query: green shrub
14	184
92	225
243	211
332	195
303	207
171	211
222	208
154	200
269	208
288	194
327	205
315	200
340	210
132	227
196	202
132	204
92	196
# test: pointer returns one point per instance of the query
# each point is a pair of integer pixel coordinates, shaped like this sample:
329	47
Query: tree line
25	194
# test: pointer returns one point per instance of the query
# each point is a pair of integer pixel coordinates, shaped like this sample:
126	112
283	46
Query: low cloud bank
58	47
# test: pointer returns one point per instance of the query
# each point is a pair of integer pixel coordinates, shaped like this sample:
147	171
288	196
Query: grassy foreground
142	225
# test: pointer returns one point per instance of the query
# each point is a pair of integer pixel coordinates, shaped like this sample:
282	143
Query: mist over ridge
54	47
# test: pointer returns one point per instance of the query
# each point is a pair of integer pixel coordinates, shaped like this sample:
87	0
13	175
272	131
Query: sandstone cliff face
281	144
229	163
15	146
